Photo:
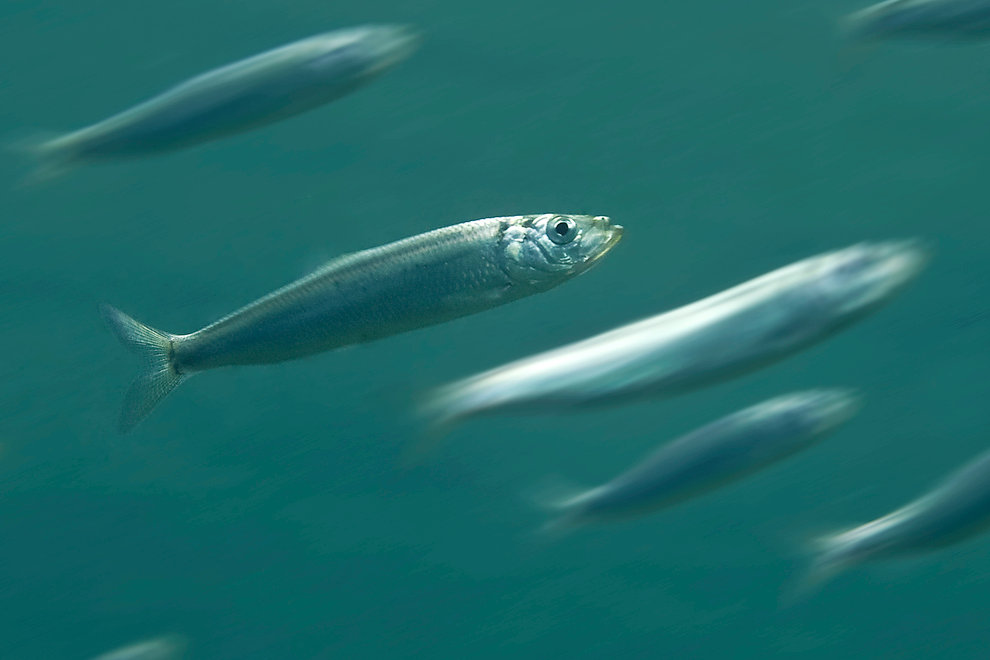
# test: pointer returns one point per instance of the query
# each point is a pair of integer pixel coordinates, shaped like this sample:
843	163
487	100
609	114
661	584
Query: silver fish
253	92
956	509
712	456
413	283
965	19
725	335
169	647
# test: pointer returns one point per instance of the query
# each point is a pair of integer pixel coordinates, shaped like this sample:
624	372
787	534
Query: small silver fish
956	509
253	92
169	647
960	19
420	281
712	456
725	335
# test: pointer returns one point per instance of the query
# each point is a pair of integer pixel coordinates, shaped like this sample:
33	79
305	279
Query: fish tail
850	26
828	559
559	497
53	155
160	376
439	417
428	442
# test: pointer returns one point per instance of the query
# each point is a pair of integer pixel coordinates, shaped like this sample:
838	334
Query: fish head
390	44
856	280
823	410
368	50
542	251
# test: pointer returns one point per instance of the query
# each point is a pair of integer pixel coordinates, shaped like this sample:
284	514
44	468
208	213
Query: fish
361	297
168	647
954	510
711	457
244	95
720	337
956	19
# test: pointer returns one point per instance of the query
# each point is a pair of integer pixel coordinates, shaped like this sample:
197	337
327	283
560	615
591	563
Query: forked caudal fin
160	376
562	500
437	422
53	155
829	558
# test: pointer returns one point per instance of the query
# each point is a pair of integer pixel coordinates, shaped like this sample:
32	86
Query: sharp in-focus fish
420	281
959	19
712	456
725	335
955	510
247	94
169	647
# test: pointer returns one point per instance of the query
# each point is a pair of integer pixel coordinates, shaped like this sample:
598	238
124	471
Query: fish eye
561	230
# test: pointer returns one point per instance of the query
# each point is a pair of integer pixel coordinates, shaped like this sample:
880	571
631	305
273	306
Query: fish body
714	455
247	94
420	281
725	335
966	19
956	509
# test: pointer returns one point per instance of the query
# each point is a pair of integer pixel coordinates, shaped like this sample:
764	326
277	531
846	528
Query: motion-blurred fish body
420	281
169	647
712	456
253	92
956	509
962	19
725	335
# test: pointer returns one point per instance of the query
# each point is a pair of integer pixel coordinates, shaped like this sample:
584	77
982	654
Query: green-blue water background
262	512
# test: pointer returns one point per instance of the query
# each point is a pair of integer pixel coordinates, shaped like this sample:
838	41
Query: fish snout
895	263
834	407
907	257
612	231
397	42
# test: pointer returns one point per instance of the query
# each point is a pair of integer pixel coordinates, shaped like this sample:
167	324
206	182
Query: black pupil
561	228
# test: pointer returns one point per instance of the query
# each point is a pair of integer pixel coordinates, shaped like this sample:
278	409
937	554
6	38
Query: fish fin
428	442
438	420
558	496
51	154
854	48
827	561
160	376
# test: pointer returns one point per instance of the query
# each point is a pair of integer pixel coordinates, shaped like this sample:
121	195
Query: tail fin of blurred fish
557	496
854	48
428	442
51	153
828	560
439	420
160	376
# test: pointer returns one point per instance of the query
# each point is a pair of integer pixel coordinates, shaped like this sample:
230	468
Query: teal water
265	512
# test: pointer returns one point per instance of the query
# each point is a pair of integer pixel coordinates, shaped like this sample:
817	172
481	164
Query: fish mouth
614	235
908	256
403	40
839	405
898	262
392	44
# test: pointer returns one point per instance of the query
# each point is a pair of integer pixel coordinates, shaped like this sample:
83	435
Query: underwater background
267	512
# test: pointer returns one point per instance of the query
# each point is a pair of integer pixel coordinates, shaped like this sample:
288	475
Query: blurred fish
420	281
170	647
712	456
955	510
247	94
728	334
959	19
